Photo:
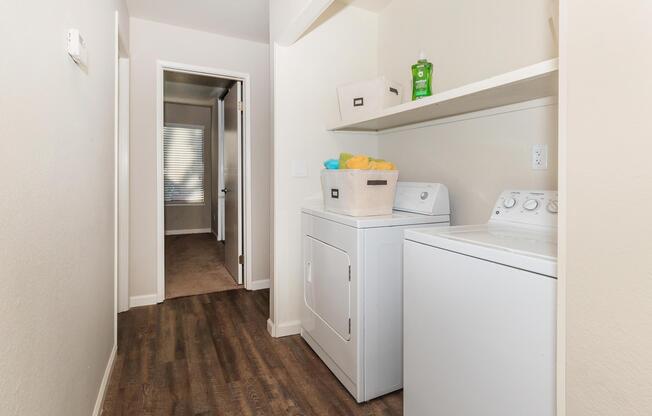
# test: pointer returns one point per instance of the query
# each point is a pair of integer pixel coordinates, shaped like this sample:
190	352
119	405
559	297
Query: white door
327	286
233	182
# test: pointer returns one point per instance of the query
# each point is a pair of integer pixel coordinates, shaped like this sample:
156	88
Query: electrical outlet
540	157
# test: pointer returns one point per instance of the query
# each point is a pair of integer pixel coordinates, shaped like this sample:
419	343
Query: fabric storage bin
359	193
365	99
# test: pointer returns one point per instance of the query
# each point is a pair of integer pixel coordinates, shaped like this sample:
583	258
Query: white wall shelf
524	84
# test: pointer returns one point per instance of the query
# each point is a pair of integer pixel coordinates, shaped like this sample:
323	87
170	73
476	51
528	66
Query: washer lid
397	218
529	248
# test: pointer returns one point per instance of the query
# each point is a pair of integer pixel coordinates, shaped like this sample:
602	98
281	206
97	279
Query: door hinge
240	106
349	326
349	273
240	259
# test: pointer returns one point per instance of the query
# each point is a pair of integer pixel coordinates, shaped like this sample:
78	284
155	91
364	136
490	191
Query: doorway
202	172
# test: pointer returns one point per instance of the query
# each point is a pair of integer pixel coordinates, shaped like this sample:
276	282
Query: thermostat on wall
77	47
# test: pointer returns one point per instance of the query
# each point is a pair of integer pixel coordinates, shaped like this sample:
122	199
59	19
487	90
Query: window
183	164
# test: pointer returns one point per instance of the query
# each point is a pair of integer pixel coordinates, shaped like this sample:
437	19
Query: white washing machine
480	311
352	314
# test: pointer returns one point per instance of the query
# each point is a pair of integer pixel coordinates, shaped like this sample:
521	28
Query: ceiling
186	78
180	86
177	92
245	19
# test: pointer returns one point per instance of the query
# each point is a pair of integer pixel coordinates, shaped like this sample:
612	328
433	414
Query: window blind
183	160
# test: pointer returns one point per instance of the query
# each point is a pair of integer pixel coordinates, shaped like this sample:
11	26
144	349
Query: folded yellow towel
381	165
348	161
358	162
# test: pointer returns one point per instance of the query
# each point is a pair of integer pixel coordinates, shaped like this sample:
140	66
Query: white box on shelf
359	193
364	99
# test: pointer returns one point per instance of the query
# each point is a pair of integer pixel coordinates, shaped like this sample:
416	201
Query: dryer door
326	285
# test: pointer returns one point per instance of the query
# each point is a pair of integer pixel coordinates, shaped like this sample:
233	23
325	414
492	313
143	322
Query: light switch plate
299	169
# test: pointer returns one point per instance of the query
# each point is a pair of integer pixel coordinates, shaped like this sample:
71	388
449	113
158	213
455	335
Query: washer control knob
531	204
553	207
509	203
424	196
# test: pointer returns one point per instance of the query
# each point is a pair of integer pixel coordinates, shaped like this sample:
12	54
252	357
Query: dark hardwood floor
211	355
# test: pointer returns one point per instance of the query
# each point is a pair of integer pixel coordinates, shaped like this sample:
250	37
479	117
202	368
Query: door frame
245	173
123	180
121	130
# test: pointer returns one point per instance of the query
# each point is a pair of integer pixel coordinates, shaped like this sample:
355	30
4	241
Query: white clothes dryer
352	309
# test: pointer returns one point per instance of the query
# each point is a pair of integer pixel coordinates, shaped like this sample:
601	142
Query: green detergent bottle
421	78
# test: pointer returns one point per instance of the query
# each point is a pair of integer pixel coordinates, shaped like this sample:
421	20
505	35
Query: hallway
212	355
194	265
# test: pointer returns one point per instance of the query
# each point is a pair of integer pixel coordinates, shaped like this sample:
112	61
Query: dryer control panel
422	198
527	207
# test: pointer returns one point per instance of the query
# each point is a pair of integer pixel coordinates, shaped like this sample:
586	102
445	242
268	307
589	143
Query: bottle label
421	82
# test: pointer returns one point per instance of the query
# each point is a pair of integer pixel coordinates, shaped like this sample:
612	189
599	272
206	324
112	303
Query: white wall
306	76
155	41
478	156
57	209
282	13
466	40
469	40
606	228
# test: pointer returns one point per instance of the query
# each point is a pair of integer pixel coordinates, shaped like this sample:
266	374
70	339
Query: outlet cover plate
540	157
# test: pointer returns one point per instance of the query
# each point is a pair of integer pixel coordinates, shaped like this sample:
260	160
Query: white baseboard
259	285
105	382
191	231
283	330
142	300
